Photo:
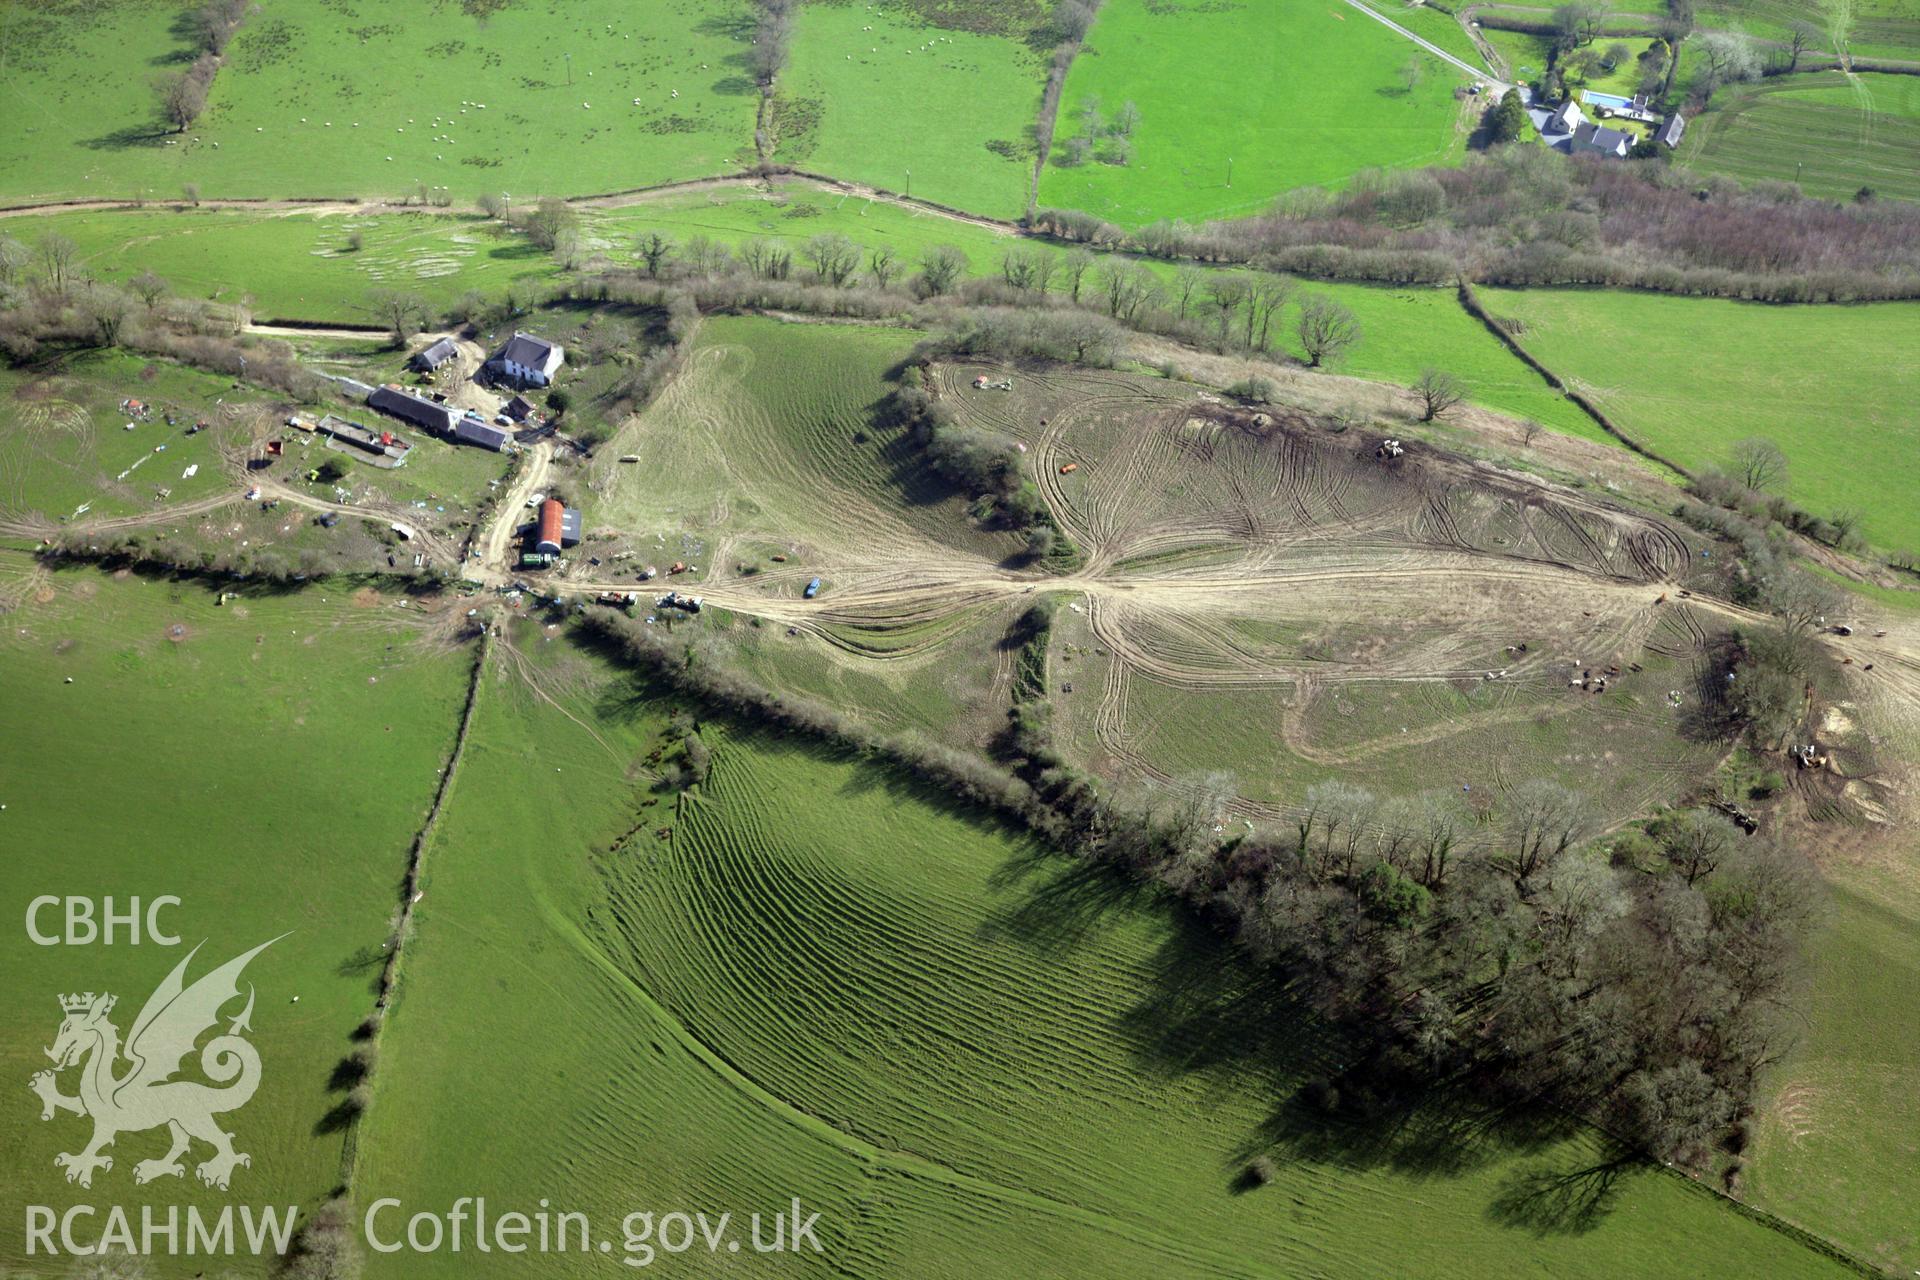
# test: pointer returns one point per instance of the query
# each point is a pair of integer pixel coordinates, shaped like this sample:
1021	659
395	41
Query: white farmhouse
528	360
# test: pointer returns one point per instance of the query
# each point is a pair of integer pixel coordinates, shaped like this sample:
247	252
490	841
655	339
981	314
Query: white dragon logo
146	1095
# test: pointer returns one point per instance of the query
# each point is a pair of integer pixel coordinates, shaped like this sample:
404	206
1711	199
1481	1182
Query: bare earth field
1258	597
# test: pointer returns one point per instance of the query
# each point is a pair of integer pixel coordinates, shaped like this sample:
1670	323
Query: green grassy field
64	443
1316	97
1526	54
1868	28
969	1057
1690	377
267	761
907	105
1405	331
1431	24
1831	134
1830	1151
317	99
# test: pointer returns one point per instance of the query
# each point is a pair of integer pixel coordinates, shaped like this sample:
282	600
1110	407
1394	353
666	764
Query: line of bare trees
772	29
1071	21
182	95
1525	216
1242	311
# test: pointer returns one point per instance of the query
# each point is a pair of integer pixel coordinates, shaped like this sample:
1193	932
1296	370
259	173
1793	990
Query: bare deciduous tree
403	313
1227	291
1439	393
1801	36
1541	821
1268	294
1187	280
1326	329
1759	464
107	308
1696	841
941	267
57	254
149	287
183	96
1127	285
13	259
1075	266
835	258
883	265
549	218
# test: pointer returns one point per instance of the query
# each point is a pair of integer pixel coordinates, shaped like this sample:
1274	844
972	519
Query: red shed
553	516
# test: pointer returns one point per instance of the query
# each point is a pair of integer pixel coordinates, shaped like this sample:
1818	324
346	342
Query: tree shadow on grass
516	251
129	136
1066	901
1553	1202
339	1117
1208	1011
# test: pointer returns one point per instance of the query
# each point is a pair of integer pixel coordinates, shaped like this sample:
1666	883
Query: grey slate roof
1599	138
351	387
528	350
418	410
484	434
436	355
1669	132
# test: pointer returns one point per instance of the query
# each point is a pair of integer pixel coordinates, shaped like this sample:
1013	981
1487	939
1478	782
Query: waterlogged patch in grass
303	267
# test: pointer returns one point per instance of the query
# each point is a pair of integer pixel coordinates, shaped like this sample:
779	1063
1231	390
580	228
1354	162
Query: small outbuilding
519	408
1670	131
528	360
556	529
470	430
428	359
